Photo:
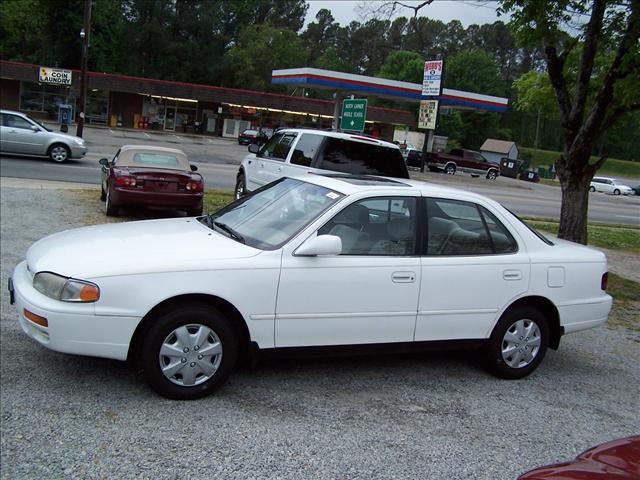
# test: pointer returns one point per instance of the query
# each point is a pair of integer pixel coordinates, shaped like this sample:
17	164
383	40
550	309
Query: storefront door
170	118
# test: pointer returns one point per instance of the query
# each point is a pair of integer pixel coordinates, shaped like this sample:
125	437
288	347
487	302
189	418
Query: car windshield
250	132
273	214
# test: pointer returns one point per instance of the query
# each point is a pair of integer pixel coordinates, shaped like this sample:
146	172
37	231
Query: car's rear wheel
110	209
194	212
592	188
518	343
59	152
103	195
450	169
616	192
188	352
241	187
492	174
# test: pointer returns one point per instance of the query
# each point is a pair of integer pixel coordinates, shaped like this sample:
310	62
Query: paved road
218	159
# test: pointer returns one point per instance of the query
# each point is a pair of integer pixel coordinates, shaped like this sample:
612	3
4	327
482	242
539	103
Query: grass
626	300
612	167
622	289
214	199
614	237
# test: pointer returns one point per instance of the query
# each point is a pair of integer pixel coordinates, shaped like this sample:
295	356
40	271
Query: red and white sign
432	78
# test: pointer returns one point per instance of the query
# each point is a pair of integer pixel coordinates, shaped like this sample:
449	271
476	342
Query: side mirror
254	148
34	128
320	245
104	162
194	168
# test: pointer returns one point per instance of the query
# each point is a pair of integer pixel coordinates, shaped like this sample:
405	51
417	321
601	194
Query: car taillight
604	281
125	181
194	186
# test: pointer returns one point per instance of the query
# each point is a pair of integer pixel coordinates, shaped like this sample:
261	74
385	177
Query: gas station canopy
385	88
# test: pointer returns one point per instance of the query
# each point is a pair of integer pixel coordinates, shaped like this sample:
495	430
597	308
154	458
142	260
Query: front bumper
72	327
78	151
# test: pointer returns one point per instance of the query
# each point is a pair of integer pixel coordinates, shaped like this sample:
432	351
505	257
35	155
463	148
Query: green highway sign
354	112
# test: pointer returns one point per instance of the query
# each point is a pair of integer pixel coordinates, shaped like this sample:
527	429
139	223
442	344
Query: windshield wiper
232	233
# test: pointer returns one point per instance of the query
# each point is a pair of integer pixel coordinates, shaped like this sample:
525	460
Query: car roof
15	112
356	137
151	148
352	184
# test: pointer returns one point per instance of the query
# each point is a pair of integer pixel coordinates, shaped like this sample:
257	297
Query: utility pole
84	35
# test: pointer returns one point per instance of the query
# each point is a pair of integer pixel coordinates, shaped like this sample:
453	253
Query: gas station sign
432	78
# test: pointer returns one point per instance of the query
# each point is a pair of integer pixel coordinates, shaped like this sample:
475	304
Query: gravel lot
417	416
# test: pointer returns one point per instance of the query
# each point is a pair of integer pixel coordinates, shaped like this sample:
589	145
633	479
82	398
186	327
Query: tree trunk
575	202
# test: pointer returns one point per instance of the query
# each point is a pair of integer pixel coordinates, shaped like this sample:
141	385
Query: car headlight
65	289
79	141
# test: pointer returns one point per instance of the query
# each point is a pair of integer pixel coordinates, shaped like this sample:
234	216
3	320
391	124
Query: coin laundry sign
54	75
432	78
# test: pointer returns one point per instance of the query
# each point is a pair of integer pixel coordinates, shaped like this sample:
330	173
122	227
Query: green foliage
474	70
534	92
215	200
404	66
612	166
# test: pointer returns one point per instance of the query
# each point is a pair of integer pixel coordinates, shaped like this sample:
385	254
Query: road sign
428	114
354	113
432	78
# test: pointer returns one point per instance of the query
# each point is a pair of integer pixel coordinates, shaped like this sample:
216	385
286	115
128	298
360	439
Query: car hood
64	136
134	247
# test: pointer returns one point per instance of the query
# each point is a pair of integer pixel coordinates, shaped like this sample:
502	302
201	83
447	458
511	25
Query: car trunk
160	180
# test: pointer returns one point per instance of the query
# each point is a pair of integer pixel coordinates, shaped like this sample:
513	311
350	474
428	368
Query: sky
467	11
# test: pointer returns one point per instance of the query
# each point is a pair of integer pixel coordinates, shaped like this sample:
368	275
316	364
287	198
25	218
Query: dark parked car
252	136
463	160
147	176
618	459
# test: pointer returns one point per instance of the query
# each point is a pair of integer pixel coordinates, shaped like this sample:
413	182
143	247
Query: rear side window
360	158
463	228
306	149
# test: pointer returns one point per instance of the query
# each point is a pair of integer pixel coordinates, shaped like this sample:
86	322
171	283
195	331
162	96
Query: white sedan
322	261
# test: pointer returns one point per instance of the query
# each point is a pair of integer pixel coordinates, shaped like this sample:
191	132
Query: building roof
383	87
497	146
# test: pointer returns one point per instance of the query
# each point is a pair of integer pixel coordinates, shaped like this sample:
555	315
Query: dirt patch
625	264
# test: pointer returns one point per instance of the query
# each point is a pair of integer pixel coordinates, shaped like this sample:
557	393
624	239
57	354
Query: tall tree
593	98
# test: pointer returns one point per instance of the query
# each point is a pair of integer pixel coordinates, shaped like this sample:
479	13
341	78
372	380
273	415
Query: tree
404	66
594	97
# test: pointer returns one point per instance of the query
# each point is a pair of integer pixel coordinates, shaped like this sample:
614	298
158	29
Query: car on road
462	160
150	176
248	137
21	135
609	185
327	262
296	151
614	460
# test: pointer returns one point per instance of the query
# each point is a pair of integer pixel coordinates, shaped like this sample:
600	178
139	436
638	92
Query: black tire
110	209
103	195
450	169
194	212
492	175
59	152
616	192
241	187
433	169
592	188
495	360
194	317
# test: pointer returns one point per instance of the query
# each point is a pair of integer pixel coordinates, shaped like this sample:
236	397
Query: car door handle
262	164
403	277
279	169
512	275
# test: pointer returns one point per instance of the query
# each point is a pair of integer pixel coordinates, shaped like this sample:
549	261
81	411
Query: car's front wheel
59	152
492	174
241	187
592	188
450	169
188	352
616	192
518	343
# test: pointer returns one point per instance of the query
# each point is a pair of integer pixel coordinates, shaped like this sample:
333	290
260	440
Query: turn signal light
89	293
37	319
194	186
605	281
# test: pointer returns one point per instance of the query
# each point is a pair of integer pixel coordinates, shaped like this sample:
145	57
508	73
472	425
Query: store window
97	108
45	98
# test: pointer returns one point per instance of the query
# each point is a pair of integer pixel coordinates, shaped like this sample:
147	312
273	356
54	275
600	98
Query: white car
609	185
296	151
318	261
21	135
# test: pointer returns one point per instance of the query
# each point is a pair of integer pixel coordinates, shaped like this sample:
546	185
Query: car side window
502	241
381	226
14	121
456	228
306	149
478	158
267	149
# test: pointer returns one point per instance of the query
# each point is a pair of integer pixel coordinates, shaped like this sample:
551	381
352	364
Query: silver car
22	135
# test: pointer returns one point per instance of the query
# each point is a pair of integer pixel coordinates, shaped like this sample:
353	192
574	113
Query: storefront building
120	101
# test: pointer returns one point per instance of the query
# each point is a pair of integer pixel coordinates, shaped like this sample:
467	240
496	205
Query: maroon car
615	460
148	176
